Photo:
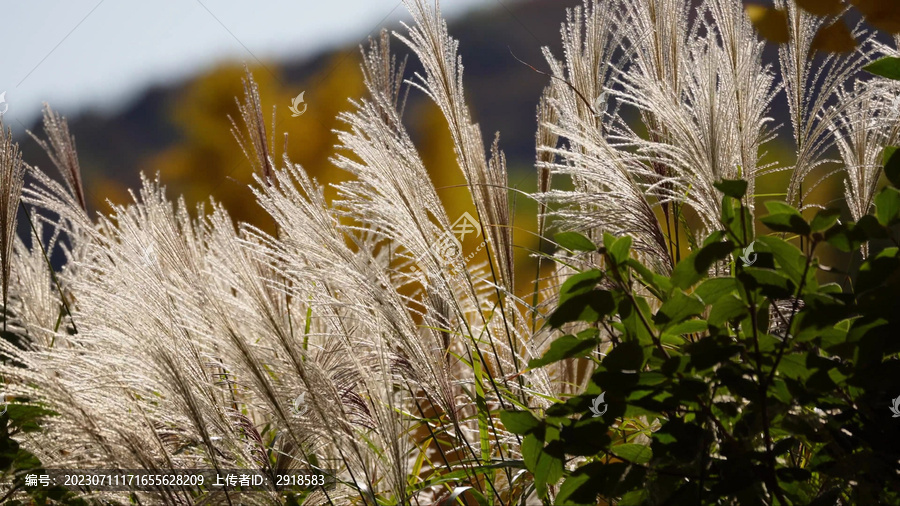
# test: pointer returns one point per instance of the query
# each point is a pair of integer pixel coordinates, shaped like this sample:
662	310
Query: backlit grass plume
60	147
12	177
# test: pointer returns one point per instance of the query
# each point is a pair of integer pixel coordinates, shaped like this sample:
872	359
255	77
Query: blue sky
78	54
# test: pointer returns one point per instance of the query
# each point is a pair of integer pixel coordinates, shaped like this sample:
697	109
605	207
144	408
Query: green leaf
628	356
791	474
726	309
888	67
635	453
635	318
619	249
789	259
892	164
770	283
595	478
688	327
588	307
710	351
887	206
737	220
784	218
482	413
573	241
680	440
878	270
824	219
712	289
847	237
782	446
869	228
580	283
793	365
696	266
734	188
457	491
677	309
567	346
519	422
635	498
585	437
659	285
578	489
27	418
544	467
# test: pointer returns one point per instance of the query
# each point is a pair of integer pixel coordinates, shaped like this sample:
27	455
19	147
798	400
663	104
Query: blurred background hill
183	131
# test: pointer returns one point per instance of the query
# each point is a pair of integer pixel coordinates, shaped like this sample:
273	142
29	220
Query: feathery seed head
253	142
61	150
12	177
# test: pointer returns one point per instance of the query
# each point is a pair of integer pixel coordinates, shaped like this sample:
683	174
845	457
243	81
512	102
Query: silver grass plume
486	175
544	138
396	217
610	193
12	177
253	144
705	105
442	82
749	84
401	206
867	123
222	353
361	316
812	85
60	147
34	298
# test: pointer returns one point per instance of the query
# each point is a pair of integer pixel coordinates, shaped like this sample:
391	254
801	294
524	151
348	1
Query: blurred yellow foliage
208	161
834	37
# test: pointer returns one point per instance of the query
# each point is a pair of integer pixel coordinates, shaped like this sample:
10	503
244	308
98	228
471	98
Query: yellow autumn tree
833	37
208	160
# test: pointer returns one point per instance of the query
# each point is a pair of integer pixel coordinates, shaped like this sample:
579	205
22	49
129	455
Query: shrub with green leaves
759	387
17	462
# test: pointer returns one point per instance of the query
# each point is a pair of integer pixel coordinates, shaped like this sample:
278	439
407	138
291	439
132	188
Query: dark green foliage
766	386
888	67
573	241
16	463
892	165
